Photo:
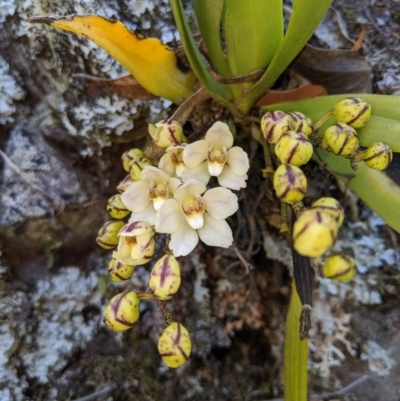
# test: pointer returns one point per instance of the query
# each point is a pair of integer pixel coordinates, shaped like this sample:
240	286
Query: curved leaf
208	13
306	16
253	32
153	64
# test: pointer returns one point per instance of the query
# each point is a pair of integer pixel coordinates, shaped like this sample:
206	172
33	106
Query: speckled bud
341	139
118	271
294	148
300	123
274	124
124	184
174	345
137	167
107	237
330	206
378	156
122	312
165	277
339	267
167	133
314	232
352	111
129	157
116	208
290	183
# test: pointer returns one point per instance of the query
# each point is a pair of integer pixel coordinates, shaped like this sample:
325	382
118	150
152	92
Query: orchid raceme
136	244
172	161
195	213
215	156
144	197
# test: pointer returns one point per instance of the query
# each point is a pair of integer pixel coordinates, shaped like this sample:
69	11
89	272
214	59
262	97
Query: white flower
144	197
172	161
194	213
215	156
136	244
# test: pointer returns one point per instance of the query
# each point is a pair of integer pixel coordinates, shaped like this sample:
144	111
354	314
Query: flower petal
154	174
169	217
166	165
215	232
238	160
190	187
195	153
173	185
199	173
219	135
220	203
184	240
147	215
136	196
229	180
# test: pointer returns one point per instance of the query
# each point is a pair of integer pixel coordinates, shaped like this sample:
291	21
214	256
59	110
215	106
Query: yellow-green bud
165	277
339	267
352	111
330	206
314	232
118	271
341	139
378	156
174	345
122	312
167	133
274	124
300	123
124	184
290	183
116	208
294	148
137	167
129	157
107	237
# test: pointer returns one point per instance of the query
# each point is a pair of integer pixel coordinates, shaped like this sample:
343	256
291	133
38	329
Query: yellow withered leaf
152	63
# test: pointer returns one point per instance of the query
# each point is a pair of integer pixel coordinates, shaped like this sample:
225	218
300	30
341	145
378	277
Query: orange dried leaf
152	63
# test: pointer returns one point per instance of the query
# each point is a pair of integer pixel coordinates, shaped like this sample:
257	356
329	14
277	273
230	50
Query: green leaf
253	30
375	188
153	64
305	18
295	353
208	15
218	91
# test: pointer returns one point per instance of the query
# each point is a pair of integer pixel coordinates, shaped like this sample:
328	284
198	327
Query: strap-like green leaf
295	354
218	91
208	13
253	32
305	18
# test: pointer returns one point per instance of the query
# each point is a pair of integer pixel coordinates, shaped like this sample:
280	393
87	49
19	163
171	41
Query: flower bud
167	133
107	237
300	123
115	207
339	267
274	124
352	111
314	233
165	278
330	206
174	345
118	271
294	148
341	139
129	157
378	156
122	312
290	183
137	167
136	244
124	184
